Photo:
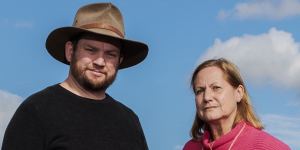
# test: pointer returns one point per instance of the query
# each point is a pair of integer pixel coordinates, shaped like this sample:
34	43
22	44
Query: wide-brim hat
104	20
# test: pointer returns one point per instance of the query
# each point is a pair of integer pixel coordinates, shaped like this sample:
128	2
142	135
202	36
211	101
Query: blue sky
260	36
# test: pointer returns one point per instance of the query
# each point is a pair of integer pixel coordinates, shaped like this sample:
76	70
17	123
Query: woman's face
216	99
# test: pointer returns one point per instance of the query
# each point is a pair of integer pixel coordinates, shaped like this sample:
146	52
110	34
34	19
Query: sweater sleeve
23	131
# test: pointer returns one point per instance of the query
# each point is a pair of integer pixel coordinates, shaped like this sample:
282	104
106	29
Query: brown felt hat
104	20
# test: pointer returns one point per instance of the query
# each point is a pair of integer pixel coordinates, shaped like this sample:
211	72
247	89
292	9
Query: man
77	114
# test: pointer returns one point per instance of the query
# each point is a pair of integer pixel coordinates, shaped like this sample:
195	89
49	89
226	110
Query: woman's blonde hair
232	76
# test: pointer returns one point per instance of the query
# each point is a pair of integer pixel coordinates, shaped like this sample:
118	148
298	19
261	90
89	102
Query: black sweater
56	119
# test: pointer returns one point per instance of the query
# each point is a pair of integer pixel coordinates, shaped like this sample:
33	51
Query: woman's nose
207	95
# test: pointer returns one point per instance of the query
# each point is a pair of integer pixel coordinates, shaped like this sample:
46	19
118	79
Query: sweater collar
224	140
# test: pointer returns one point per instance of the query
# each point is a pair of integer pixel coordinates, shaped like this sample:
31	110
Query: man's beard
88	84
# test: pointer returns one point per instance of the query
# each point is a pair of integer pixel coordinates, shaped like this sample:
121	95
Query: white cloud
8	105
267	9
16	24
269	58
294	103
4	22
23	24
178	147
285	128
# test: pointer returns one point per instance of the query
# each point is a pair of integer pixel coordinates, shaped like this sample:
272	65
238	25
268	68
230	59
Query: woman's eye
216	88
198	91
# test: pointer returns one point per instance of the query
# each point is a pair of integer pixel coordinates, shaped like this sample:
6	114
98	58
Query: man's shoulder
36	103
121	105
41	96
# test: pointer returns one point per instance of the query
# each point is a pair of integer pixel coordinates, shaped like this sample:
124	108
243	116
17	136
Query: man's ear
69	51
121	59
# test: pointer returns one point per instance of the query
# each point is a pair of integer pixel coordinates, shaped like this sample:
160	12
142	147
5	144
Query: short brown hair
232	76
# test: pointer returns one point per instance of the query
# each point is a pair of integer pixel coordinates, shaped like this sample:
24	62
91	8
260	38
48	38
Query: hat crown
101	17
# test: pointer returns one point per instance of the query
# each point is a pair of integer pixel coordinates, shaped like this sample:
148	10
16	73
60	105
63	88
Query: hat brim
133	52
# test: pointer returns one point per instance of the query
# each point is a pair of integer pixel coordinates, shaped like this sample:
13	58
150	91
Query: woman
225	119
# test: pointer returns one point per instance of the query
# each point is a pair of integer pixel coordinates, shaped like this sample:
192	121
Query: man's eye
89	49
112	55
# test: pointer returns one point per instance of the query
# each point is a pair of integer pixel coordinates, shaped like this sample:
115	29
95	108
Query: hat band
103	26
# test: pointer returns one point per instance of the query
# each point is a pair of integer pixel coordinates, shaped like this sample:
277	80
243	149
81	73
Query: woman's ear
69	51
239	93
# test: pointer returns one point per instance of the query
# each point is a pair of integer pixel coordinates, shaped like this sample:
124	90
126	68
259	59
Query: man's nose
99	60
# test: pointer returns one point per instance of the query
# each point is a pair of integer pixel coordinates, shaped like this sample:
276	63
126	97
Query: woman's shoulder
271	141
193	144
265	140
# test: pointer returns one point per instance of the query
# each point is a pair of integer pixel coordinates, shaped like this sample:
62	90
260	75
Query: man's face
94	64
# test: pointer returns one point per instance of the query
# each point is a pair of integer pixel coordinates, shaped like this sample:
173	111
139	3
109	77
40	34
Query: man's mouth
97	72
